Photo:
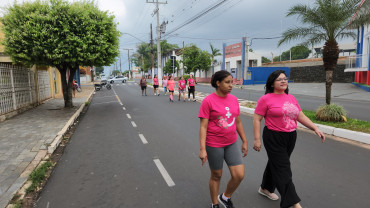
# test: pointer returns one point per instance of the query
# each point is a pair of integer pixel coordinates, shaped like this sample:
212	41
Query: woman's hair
190	75
181	77
269	87
219	76
169	77
155	75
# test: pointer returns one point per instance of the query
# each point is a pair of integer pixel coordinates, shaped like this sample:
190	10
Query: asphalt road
108	164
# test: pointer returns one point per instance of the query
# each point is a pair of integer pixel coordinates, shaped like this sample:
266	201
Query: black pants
191	90
279	147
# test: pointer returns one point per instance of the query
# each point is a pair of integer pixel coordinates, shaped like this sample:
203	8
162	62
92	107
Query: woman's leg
279	147
214	185
237	175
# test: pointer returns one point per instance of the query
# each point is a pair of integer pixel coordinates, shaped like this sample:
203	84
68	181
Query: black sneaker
227	204
215	206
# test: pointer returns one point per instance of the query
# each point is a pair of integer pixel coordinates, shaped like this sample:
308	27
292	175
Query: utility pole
152	49
129	65
159	56
120	63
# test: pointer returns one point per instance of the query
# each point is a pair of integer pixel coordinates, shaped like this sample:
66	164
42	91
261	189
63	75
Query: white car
118	78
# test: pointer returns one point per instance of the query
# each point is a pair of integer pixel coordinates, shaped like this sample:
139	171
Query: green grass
351	124
38	175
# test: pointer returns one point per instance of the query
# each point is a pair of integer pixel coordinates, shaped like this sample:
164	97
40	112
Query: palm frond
347	34
301	32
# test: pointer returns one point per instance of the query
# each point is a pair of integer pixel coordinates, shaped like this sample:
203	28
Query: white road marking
128	116
143	139
164	173
133	124
123	108
105	102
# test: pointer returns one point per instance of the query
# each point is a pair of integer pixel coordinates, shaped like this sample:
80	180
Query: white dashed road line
164	173
133	124
143	139
128	116
123	108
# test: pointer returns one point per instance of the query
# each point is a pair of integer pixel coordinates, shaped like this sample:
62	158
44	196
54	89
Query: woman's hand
203	156
320	134
257	145
245	149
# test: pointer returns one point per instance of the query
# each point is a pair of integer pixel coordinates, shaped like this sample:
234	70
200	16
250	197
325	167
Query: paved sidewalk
25	138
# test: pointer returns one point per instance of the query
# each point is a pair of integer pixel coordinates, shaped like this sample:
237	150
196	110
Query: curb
339	132
22	182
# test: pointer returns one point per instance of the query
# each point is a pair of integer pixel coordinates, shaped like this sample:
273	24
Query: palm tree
214	52
326	21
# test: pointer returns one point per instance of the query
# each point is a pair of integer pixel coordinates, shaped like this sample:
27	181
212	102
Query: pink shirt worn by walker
155	81
191	82
171	85
221	113
280	111
182	84
164	83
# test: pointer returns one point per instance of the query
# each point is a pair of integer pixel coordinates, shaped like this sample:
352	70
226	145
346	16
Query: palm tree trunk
330	57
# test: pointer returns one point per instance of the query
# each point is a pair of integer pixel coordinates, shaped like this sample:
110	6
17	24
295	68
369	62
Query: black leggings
191	90
278	174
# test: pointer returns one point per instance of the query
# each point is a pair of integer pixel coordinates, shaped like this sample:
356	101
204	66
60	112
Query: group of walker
169	84
220	122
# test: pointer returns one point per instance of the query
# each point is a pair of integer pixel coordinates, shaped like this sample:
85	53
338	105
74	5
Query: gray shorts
232	155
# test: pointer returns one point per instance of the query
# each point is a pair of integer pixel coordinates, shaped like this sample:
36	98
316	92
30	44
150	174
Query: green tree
265	60
214	52
167	69
195	59
60	34
325	21
99	70
116	72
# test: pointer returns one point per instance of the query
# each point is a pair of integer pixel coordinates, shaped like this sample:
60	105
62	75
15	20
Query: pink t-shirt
182	84
171	85
191	82
280	111
155	81
164	83
221	113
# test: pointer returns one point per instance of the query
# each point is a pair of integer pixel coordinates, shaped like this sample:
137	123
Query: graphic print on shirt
290	112
222	121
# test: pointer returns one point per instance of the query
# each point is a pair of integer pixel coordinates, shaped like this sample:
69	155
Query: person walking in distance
156	85
281	112
182	87
191	88
164	84
220	122
171	87
143	85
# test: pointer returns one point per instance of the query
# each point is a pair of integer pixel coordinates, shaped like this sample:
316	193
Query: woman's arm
243	137
257	131
303	119
202	139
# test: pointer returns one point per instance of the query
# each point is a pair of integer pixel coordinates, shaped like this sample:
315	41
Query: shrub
332	112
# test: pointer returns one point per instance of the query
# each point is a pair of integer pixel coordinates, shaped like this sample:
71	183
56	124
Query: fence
18	87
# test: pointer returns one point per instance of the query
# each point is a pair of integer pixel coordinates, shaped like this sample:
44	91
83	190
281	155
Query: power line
204	12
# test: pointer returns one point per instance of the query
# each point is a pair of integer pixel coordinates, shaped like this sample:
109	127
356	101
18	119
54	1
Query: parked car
118	78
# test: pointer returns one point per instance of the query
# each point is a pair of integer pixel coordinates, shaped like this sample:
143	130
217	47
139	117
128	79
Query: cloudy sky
226	23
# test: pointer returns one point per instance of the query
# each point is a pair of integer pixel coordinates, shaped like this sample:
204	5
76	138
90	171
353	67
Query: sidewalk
25	140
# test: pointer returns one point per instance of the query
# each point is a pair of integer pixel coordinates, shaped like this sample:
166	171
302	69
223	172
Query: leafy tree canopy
168	67
60	34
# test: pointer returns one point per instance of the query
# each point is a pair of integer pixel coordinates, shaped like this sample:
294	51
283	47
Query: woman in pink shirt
155	85
171	87
164	84
182	87
281	112
220	122
191	88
